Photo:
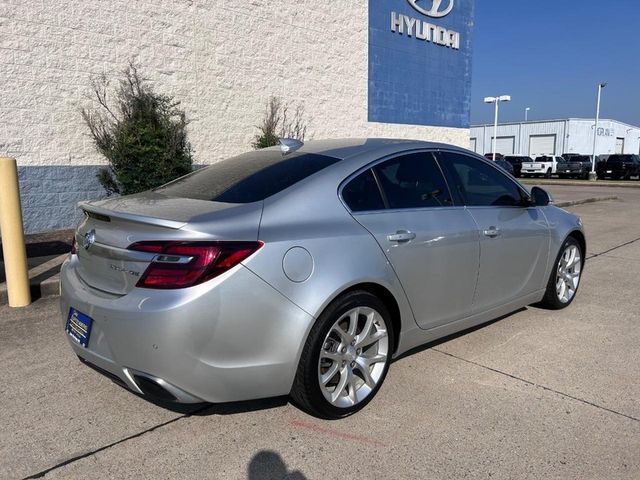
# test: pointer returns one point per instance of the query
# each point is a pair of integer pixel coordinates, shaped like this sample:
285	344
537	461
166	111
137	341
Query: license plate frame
78	327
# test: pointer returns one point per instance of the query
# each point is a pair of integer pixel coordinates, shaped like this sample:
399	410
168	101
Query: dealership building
378	68
555	137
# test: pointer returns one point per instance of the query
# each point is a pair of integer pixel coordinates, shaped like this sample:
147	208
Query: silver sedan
305	269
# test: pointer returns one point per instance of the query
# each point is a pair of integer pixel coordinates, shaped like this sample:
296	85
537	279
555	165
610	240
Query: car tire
328	350
564	275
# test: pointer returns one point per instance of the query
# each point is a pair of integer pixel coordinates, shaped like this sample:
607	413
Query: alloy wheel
353	357
568	273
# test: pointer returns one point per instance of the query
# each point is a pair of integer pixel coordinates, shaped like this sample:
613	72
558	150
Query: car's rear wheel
346	357
565	277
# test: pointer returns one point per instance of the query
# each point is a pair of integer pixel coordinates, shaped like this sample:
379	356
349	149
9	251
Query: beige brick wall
222	59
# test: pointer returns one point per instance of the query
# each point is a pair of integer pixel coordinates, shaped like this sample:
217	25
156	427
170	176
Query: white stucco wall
221	59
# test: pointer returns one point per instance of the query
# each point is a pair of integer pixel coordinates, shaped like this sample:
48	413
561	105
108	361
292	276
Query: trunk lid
112	225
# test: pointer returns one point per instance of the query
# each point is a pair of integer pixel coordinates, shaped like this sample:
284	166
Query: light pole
526	113
592	174
496	100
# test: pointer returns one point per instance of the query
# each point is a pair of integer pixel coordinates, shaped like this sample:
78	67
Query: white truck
545	165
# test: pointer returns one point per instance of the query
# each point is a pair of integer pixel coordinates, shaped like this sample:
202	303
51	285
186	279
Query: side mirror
540	197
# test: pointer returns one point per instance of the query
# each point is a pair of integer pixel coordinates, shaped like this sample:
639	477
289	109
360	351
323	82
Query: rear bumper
616	171
572	171
232	338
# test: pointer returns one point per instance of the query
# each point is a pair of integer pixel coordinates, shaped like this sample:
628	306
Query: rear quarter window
362	193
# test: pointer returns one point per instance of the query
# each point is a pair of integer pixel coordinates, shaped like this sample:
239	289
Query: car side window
362	193
413	181
478	183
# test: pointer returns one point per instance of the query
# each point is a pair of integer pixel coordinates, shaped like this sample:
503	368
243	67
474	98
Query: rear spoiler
107	215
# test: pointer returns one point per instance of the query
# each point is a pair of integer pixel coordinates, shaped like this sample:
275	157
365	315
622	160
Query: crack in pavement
543	387
113	444
594	255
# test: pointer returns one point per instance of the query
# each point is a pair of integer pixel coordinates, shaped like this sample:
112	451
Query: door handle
492	232
401	236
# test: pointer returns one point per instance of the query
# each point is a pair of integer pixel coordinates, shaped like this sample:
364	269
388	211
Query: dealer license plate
79	327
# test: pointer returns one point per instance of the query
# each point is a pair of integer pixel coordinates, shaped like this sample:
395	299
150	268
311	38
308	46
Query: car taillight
185	264
74	245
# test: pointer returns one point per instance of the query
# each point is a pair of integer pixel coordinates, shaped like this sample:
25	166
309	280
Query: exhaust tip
153	389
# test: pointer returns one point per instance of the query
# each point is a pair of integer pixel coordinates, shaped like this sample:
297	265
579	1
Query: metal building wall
522	133
581	137
573	135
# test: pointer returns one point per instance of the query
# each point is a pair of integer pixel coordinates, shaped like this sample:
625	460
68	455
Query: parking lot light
496	101
526	113
592	174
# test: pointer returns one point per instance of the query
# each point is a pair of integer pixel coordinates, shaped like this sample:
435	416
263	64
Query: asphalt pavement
537	394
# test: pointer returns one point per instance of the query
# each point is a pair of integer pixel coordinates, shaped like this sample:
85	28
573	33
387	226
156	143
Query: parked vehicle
517	161
305	270
619	166
545	166
489	156
506	166
574	166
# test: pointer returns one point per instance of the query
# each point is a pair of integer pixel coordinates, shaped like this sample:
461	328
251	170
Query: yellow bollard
13	247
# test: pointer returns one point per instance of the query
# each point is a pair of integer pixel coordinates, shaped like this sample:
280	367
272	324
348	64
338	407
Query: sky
550	55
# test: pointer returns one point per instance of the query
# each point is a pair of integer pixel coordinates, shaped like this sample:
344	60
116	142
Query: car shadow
453	336
208	409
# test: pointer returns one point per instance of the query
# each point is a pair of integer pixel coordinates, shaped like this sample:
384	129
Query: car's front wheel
346	356
565	277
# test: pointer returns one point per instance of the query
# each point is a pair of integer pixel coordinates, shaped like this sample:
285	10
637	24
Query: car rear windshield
620	158
578	158
247	178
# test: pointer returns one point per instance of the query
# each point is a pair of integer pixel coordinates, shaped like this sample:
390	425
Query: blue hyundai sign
420	61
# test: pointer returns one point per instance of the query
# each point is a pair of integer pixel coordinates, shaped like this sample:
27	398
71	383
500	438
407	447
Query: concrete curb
580	183
44	280
50	286
573	203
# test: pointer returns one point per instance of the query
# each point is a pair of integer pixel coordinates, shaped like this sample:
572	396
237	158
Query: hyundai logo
89	239
435	11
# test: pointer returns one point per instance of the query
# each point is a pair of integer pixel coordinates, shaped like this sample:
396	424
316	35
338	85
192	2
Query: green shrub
141	133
